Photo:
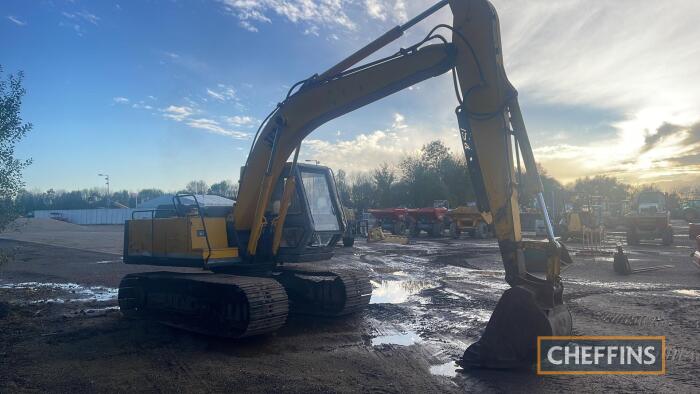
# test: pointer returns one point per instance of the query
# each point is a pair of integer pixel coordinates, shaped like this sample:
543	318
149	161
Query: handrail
151	211
201	217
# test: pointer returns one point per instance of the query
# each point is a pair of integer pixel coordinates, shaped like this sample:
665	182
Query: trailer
430	220
391	219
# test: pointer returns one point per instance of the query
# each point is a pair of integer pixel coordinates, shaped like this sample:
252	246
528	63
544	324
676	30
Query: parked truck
468	219
649	219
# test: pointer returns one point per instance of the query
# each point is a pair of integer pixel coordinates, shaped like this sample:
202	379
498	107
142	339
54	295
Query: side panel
216	229
178	241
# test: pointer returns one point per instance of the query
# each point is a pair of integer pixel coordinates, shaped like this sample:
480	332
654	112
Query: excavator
268	255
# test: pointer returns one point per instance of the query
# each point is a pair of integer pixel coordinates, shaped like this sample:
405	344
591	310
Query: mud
60	328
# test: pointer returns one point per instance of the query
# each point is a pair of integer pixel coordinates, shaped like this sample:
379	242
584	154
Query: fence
87	216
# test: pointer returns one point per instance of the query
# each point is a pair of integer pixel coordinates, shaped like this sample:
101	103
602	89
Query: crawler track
212	304
321	292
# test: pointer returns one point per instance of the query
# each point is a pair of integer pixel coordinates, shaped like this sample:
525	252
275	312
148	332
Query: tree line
27	201
436	173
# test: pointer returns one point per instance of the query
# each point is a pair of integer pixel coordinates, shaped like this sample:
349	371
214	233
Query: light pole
109	196
313	161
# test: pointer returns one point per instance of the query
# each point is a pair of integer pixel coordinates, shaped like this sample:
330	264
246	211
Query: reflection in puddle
688	292
448	369
397	291
78	293
108	261
403	339
93	312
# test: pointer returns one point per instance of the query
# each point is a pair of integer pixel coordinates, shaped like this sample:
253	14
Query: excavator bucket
510	338
525	311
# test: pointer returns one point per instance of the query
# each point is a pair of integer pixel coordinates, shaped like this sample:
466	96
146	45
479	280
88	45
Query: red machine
430	220
391	219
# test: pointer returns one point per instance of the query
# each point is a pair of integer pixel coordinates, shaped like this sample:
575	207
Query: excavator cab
314	221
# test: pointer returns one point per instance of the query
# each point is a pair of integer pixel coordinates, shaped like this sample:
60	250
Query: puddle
448	369
399	273
78	293
404	339
93	312
397	291
688	292
108	261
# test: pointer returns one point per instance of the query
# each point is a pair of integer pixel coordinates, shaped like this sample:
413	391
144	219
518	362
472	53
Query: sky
158	93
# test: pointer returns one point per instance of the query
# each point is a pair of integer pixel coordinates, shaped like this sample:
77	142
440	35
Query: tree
12	130
384	179
436	175
197	187
604	186
149	194
363	192
224	188
343	189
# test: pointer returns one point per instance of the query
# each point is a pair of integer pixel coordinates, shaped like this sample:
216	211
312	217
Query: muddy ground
60	328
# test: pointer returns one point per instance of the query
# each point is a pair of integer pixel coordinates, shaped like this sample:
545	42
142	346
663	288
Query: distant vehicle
691	210
391	219
650	219
468	219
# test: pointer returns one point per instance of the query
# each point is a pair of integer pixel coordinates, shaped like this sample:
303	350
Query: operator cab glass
314	221
320	201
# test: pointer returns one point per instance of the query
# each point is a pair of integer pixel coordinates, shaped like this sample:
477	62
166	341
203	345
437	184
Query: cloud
328	13
16	20
213	126
640	64
689	135
141	105
121	100
667	156
222	93
186	114
238	121
84	16
189	63
248	26
375	9
366	150
177	113
380	10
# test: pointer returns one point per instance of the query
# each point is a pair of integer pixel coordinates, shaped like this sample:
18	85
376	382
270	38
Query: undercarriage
241	305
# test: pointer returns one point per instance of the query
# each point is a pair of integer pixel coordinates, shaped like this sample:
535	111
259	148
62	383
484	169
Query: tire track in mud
619	318
682	354
671	317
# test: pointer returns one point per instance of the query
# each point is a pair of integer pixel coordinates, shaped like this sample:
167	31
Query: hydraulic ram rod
379	43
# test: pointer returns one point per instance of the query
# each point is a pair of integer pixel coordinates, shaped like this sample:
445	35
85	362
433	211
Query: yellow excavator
267	255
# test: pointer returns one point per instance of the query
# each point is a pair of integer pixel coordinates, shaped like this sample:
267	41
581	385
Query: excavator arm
494	140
